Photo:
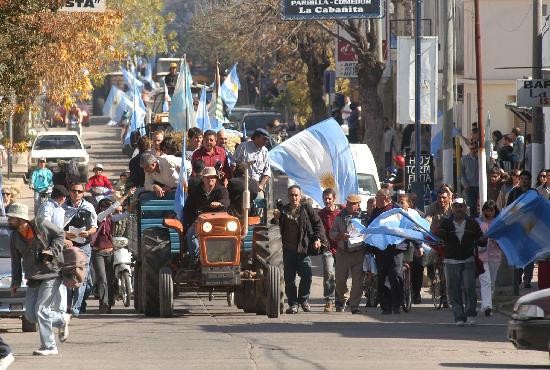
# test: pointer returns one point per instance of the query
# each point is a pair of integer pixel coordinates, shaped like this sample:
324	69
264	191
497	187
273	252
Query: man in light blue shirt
255	151
41	180
53	210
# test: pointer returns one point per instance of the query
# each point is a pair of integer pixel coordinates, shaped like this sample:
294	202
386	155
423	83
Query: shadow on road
472	365
397	330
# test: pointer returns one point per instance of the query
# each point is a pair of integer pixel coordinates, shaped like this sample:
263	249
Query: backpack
74	267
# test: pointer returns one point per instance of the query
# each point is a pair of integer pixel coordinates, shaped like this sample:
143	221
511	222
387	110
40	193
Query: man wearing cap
210	196
349	256
41	181
255	151
171	78
461	235
37	250
212	155
98	180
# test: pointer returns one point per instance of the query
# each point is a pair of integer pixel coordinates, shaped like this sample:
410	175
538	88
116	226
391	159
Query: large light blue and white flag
181	115
394	227
202	121
230	89
167	100
116	103
318	158
131	80
137	122
149	73
522	229
179	199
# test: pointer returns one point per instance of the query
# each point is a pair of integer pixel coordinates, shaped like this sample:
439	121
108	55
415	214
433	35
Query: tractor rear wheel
166	292
155	253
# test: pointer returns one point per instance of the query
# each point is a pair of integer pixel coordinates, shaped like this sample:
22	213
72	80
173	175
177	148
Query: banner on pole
346	56
96	6
406	80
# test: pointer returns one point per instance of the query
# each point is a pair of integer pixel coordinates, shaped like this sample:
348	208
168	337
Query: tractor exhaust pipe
246	201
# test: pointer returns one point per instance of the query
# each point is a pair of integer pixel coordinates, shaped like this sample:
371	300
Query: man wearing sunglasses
80	215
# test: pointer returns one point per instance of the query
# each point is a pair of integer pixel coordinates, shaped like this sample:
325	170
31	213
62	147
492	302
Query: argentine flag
394	226
179	199
230	89
137	122
522	229
202	121
116	103
318	158
131	80
181	110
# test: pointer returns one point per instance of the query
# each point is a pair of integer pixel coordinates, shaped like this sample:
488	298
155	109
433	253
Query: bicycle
438	282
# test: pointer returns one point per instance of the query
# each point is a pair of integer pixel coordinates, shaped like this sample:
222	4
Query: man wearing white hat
460	235
38	250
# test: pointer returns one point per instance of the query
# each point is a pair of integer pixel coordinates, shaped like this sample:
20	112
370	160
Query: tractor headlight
207	227
232	226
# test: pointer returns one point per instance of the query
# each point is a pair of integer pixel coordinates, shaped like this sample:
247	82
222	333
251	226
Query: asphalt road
210	335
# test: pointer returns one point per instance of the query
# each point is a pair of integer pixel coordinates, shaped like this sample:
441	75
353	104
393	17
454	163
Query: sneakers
329	306
5	362
340	308
459	323
356	311
488	311
470	321
64	330
305	306
45	352
292	310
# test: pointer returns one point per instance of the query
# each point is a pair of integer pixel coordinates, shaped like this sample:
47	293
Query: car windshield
57	142
4	244
253	122
367	183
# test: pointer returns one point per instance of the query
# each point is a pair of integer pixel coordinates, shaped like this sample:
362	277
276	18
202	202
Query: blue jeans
472	197
192	243
300	264
40	308
329	277
78	294
461	279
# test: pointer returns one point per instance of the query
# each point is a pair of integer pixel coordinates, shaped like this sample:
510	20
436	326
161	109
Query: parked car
10	306
255	120
58	146
530	324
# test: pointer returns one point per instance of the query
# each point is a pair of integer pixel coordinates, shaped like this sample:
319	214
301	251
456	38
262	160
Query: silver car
10	306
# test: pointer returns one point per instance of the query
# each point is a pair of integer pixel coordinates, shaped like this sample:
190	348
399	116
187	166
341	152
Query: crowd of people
215	175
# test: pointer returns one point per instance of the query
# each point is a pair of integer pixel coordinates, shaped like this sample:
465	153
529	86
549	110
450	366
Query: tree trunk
314	54
372	108
20	126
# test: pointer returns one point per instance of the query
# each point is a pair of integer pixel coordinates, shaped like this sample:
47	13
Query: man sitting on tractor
210	196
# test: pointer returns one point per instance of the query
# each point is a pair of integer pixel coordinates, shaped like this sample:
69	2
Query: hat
98	165
42	160
261	132
458	201
173	65
209	171
60	190
19	210
353	198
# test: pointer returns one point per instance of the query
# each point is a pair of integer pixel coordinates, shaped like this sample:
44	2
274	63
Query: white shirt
53	212
250	152
168	175
459	229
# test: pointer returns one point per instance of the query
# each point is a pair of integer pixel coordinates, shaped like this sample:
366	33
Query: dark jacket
310	227
199	202
35	266
454	248
515	193
235	187
137	174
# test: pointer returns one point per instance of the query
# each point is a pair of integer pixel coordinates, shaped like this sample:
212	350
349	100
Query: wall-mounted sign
97	6
331	9
533	93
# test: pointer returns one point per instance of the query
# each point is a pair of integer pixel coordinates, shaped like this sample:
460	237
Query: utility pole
479	82
449	92
537	145
417	186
